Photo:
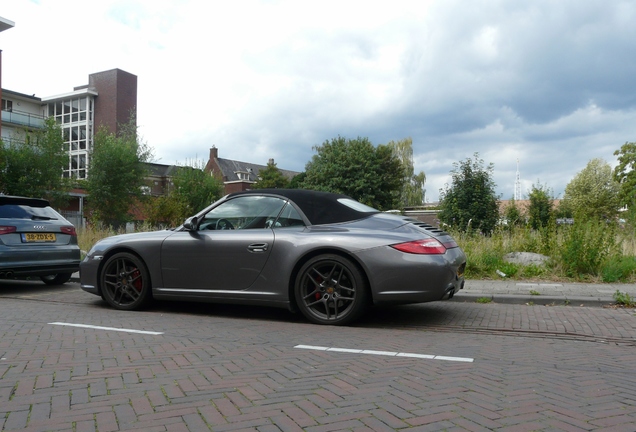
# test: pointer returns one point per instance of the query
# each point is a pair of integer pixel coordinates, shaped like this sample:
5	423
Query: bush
586	245
624	299
618	268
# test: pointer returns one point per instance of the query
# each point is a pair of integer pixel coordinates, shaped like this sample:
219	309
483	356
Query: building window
75	116
7	105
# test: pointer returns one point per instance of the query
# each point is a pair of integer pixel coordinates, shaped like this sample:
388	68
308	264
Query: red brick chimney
212	166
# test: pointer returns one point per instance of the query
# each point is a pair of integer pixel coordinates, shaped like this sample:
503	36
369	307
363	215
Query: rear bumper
38	260
400	278
41	270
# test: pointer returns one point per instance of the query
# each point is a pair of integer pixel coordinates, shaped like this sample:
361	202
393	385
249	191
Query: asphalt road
69	362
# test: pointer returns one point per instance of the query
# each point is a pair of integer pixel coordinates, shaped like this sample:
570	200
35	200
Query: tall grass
88	236
585	251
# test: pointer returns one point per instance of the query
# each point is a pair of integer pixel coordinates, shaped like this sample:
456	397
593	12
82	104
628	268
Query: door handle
258	247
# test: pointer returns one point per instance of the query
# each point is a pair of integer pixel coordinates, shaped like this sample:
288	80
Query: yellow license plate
39	237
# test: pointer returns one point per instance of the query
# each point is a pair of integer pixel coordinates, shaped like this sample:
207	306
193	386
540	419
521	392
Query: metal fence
74	217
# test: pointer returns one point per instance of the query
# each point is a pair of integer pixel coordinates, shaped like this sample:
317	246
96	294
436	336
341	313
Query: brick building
108	100
236	175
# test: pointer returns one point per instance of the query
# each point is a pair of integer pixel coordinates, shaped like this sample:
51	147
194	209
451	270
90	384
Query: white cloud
548	83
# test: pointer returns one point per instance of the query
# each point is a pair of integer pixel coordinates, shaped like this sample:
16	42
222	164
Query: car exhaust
449	293
6	275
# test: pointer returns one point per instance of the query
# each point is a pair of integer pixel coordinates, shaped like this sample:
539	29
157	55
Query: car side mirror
191	223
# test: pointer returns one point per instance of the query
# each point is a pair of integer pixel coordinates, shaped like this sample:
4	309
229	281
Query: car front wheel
124	282
330	289
56	279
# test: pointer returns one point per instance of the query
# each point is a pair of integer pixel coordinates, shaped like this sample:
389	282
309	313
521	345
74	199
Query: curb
537	300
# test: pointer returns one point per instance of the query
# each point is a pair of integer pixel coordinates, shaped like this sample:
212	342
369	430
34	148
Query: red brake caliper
138	281
318	295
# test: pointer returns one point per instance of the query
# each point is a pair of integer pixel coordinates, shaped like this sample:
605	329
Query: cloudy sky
551	84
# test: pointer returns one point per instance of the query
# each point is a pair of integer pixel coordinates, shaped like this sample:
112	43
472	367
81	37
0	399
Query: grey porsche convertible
323	254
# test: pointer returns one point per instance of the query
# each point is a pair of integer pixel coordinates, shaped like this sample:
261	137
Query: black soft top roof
319	207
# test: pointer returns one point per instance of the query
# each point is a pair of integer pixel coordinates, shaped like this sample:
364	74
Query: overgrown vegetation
624	299
588	250
87	237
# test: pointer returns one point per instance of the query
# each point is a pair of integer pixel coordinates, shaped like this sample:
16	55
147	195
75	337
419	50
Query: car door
227	251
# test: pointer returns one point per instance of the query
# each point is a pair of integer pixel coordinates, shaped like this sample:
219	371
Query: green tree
513	215
192	190
593	192
625	174
116	174
470	202
540	208
164	210
355	167
34	168
195	188
412	193
297	181
271	177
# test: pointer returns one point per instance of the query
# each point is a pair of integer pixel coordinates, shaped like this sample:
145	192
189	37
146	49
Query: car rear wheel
56	279
330	289
124	282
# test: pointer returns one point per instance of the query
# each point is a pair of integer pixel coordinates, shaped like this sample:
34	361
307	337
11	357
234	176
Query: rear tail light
70	230
428	246
7	229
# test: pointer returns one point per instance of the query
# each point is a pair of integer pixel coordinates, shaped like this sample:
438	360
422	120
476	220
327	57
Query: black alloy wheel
125	282
56	279
330	289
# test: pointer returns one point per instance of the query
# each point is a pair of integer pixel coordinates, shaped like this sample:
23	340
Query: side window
289	217
243	212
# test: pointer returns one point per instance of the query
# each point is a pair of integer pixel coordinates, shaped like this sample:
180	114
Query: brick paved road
228	368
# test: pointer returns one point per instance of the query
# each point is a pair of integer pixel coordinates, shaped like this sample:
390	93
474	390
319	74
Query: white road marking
386	353
106	328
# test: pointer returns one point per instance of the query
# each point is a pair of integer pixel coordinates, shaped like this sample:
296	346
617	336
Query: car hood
129	239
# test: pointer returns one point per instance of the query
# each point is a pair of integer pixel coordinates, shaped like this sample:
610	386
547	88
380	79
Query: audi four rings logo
38	227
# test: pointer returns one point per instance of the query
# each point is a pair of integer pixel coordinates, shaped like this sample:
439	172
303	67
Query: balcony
27	120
